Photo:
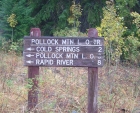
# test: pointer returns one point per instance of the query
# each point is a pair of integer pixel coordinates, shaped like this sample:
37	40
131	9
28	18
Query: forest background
118	21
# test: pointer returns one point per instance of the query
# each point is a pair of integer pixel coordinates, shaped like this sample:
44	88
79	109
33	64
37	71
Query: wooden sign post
92	81
33	71
64	52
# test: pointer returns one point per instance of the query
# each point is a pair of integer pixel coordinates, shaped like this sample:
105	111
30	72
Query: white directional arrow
30	49
29	55
29	61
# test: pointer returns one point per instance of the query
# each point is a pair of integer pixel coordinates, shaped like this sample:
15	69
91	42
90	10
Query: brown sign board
63	51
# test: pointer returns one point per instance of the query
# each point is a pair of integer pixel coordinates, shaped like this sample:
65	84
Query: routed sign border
63	51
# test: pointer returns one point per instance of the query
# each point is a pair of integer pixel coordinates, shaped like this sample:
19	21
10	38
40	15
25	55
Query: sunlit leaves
136	21
112	29
73	30
11	20
76	12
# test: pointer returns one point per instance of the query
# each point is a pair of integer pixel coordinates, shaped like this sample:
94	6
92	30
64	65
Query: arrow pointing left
30	49
29	55
29	61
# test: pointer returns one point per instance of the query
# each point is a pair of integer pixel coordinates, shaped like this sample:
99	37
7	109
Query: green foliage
112	29
76	12
92	13
132	42
136	21
11	20
8	46
5	11
17	46
54	15
45	11
4	44
132	34
73	32
124	7
131	51
8	10
117	43
50	15
62	19
29	83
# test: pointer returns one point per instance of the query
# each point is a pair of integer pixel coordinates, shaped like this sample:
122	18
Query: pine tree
24	21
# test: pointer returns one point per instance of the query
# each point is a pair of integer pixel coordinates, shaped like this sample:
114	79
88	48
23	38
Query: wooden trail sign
63	51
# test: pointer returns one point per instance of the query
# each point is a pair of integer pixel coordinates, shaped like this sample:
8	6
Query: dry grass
64	90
